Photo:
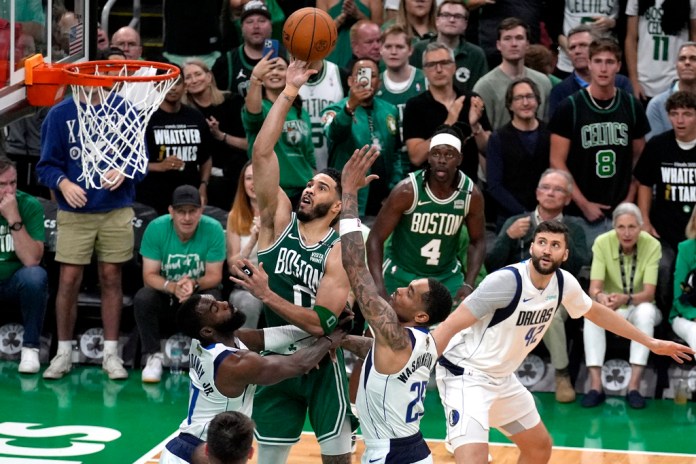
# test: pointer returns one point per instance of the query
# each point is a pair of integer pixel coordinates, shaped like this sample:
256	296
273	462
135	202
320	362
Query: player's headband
446	139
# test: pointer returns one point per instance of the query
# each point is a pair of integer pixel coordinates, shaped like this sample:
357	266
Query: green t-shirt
32	215
605	262
377	126
179	259
294	149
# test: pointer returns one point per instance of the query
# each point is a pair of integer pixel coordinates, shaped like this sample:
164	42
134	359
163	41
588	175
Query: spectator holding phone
363	118
295	148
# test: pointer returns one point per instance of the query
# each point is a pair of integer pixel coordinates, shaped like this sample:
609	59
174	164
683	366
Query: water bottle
175	359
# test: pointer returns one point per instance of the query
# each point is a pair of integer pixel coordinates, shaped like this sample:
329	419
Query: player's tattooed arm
377	311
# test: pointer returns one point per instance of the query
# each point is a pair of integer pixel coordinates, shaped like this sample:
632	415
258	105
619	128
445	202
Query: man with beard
224	372
426	213
306	286
506	317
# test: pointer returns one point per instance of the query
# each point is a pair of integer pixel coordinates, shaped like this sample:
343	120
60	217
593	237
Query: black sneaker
635	399
593	398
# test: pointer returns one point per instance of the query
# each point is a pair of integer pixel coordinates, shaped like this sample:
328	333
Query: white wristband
346	226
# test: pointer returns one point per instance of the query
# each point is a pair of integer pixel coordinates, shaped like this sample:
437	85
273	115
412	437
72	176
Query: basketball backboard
60	30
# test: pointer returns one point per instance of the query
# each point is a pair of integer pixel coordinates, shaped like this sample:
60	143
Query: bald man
128	40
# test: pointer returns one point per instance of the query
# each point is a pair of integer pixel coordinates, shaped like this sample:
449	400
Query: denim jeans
29	288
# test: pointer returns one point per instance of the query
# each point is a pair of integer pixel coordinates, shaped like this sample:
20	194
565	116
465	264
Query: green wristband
327	319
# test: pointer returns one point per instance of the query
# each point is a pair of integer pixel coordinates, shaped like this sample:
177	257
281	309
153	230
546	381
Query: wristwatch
17	226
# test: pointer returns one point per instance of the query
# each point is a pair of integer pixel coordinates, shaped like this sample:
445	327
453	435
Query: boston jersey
601	143
391	406
426	240
398	93
513	316
295	269
316	95
205	400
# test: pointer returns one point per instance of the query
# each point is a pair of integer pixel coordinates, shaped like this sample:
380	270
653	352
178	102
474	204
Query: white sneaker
60	365
113	365
29	362
152	372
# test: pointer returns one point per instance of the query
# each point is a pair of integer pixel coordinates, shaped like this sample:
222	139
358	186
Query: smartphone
270	45
365	77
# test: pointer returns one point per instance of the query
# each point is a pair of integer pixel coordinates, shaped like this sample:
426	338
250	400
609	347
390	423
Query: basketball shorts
322	394
179	450
470	395
395	277
408	450
109	234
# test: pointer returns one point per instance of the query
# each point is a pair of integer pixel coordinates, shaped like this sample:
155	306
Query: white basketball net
112	123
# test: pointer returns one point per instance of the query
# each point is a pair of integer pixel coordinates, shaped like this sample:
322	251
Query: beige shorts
108	234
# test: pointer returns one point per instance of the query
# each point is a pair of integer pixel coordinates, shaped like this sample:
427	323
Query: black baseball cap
186	195
255	7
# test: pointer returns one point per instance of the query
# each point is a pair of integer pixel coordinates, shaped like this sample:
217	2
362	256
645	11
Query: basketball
309	34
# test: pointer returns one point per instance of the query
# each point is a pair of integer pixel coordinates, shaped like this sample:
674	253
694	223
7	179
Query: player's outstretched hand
354	175
252	278
676	351
298	73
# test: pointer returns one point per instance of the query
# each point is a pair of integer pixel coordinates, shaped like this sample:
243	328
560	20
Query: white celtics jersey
513	316
657	51
576	13
205	401
317	95
391	406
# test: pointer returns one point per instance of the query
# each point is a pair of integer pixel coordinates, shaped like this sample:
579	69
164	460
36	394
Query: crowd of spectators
528	86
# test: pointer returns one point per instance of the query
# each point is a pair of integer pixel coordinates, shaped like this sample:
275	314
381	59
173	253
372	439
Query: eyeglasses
124	45
551	188
449	155
528	96
457	16
433	64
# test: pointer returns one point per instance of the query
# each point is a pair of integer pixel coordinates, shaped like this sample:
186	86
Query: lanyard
628	286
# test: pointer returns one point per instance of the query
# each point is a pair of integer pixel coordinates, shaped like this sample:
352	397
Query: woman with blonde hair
242	235
682	316
222	111
419	17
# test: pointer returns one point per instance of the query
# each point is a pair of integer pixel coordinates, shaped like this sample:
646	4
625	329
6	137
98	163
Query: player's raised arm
376	310
266	170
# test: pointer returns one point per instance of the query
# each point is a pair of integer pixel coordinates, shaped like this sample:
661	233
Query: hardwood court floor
307	452
85	418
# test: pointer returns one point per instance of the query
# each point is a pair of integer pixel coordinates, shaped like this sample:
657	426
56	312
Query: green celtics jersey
426	239
295	269
398	94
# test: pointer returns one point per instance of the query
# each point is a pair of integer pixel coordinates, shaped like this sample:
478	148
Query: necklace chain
594	102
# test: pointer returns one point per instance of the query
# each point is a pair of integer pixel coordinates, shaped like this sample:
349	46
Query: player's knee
339	444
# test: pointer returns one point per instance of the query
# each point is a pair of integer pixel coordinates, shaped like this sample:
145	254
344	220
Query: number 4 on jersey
431	250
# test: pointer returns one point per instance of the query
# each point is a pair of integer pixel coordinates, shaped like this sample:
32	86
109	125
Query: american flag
76	34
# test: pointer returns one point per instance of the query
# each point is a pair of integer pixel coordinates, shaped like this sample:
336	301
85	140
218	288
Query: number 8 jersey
600	157
391	406
425	242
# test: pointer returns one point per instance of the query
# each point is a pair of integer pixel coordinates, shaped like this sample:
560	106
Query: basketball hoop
115	100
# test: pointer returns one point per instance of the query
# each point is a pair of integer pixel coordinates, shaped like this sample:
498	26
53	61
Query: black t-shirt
184	134
601	143
672	172
423	114
229	116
